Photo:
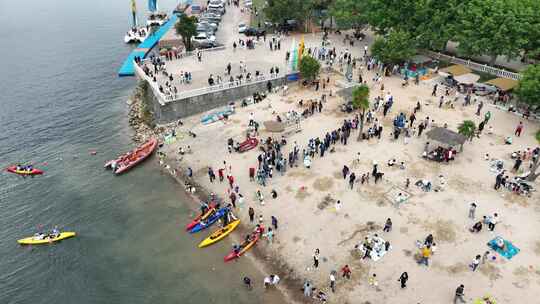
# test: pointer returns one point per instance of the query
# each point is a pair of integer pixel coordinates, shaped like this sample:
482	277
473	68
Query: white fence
475	66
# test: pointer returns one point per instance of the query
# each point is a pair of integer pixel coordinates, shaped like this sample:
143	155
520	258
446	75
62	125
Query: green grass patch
538	136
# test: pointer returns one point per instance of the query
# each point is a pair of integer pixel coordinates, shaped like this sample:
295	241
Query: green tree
396	47
278	11
309	67
349	13
491	28
360	102
467	128
528	90
187	28
531	18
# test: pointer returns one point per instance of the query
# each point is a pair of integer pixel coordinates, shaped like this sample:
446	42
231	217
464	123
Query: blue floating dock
127	69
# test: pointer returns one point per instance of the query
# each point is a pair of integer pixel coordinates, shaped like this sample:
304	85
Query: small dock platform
127	68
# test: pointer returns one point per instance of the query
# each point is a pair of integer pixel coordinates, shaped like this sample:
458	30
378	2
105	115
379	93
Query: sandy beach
306	198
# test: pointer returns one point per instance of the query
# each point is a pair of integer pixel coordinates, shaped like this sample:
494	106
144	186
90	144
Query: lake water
60	99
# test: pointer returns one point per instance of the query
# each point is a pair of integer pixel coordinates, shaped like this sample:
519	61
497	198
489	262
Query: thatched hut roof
446	136
456	70
504	84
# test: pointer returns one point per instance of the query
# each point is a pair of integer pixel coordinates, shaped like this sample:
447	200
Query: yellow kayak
38	241
219	234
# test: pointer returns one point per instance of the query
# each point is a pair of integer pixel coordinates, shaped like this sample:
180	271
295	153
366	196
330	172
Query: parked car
216	7
251	31
219	12
203	40
210	18
242	27
210	25
204	29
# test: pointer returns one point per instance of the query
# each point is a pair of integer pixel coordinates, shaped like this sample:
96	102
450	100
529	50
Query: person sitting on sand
476	227
391	162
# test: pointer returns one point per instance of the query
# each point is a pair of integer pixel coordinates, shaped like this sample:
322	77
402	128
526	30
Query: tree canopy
187	28
349	14
396	47
278	11
360	102
467	128
481	27
491	28
309	67
528	90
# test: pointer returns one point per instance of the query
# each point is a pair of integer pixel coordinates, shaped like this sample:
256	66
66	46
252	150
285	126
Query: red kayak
243	248
23	171
200	217
133	158
248	144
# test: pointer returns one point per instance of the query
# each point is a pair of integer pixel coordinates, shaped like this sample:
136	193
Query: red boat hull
13	169
248	144
133	158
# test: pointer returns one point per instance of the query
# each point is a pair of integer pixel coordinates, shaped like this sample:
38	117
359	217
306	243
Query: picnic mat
509	252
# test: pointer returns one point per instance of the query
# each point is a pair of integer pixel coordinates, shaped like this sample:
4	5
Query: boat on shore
41	239
25	171
133	158
210	221
245	247
201	217
219	234
248	144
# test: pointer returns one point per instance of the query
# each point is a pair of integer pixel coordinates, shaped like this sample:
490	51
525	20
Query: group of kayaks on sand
212	213
119	165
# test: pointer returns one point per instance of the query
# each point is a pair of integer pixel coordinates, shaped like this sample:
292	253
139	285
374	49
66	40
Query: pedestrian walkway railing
474	65
165	98
183	55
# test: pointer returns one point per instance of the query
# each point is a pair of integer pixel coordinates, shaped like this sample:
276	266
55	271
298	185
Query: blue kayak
211	220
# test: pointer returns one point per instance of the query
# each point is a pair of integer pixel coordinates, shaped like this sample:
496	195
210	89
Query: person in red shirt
220	174
519	128
346	271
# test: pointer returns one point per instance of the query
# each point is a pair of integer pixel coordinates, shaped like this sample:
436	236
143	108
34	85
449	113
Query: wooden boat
133	158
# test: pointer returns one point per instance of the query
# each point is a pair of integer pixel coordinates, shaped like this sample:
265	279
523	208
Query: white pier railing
474	65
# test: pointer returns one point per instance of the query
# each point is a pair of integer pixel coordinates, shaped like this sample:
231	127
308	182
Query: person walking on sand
274	222
332	281
403	279
251	213
519	129
307	289
211	174
388	225
352	178
460	294
480	106
493	221
472	211
345	171
316	258
346	272
475	262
